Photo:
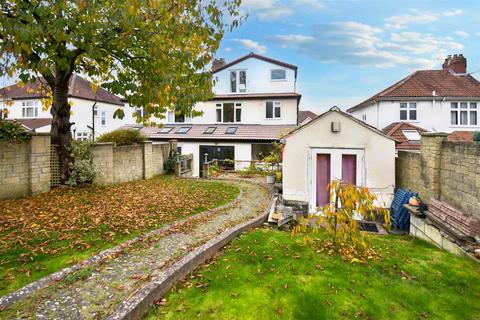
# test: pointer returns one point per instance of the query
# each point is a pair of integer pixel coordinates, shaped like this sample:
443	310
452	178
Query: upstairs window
104	118
238	81
408	111
464	113
177	116
273	110
29	109
229	112
278	74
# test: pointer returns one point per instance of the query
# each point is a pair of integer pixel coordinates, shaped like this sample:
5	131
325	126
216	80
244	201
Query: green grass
268	274
43	234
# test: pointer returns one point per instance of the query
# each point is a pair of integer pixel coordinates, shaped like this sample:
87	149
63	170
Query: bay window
229	112
464	113
408	111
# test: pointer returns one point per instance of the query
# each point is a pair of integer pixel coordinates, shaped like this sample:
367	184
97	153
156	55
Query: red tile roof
78	88
235	96
257	56
395	130
304	115
422	84
249	132
460	136
33	124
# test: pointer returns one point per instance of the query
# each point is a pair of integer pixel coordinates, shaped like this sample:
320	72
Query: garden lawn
268	274
42	234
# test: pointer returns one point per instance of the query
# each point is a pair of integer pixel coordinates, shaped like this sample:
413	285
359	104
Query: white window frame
470	108
275	105
278	69
171	118
236	106
29	105
83	136
103	120
238	88
408	108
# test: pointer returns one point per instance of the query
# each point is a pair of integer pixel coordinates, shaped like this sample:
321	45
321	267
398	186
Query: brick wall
444	170
128	163
25	167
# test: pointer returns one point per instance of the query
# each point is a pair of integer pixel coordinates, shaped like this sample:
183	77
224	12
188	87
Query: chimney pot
456	64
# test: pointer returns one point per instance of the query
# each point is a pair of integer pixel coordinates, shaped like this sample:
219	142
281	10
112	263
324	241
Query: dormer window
238	81
278	74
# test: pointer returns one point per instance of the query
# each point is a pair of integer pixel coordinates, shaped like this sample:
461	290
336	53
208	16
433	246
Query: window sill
278	80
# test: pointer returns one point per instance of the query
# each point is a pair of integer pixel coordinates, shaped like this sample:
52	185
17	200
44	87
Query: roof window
231	130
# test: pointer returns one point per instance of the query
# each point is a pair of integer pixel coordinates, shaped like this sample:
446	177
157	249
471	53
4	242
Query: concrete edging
142	300
29	289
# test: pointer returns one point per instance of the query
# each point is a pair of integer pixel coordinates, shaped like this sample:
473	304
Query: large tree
155	53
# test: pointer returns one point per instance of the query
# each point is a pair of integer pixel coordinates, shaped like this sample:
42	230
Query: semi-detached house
444	100
255	103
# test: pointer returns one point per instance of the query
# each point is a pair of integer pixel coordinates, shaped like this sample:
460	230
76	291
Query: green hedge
13	131
122	137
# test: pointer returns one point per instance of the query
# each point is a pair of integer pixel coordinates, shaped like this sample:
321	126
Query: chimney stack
218	63
456	64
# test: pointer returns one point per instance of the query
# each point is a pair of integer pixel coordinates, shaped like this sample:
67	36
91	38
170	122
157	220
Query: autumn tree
155	53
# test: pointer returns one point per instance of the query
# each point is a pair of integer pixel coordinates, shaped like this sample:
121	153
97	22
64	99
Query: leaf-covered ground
268	274
42	234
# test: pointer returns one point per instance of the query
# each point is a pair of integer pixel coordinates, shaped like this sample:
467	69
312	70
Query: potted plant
272	161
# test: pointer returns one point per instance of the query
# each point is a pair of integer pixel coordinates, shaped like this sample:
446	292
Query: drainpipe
93	120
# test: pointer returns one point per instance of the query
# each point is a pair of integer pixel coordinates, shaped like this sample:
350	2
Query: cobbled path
96	291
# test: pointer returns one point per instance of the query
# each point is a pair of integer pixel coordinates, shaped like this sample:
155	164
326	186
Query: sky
348	50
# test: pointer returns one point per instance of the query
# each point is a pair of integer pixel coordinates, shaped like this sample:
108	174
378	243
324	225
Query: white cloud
456	12
228	49
252	45
275	13
461	33
361	44
310	4
402	21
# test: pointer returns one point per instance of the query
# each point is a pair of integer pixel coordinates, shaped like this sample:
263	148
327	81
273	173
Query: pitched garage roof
337	110
218	132
78	88
423	83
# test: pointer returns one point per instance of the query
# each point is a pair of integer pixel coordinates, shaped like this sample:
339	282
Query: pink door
323	179
349	168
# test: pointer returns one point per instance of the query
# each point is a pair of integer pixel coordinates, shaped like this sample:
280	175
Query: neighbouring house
406	134
444	100
255	103
336	145
305	117
91	111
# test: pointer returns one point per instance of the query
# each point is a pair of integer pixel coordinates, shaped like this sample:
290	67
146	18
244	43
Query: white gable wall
299	157
258	78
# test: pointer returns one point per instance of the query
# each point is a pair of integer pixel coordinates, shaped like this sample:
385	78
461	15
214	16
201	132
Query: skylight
411	135
231	130
210	130
165	130
183	130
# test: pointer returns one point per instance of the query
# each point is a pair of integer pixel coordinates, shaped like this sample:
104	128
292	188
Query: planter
270	179
413	202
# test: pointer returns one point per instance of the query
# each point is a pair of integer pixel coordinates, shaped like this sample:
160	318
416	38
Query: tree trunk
60	130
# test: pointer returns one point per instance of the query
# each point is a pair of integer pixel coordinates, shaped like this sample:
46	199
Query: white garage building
336	145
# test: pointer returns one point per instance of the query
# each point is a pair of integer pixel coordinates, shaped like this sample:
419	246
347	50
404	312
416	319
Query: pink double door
324	169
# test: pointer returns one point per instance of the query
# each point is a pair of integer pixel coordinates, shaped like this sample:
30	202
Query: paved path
95	292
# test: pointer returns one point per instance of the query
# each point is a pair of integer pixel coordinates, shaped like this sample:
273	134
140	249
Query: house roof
78	88
432	84
250	96
256	56
305	115
396	131
337	110
197	132
33	124
460	136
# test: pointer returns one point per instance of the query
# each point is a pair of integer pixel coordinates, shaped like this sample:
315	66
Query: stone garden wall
128	163
444	170
25	167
